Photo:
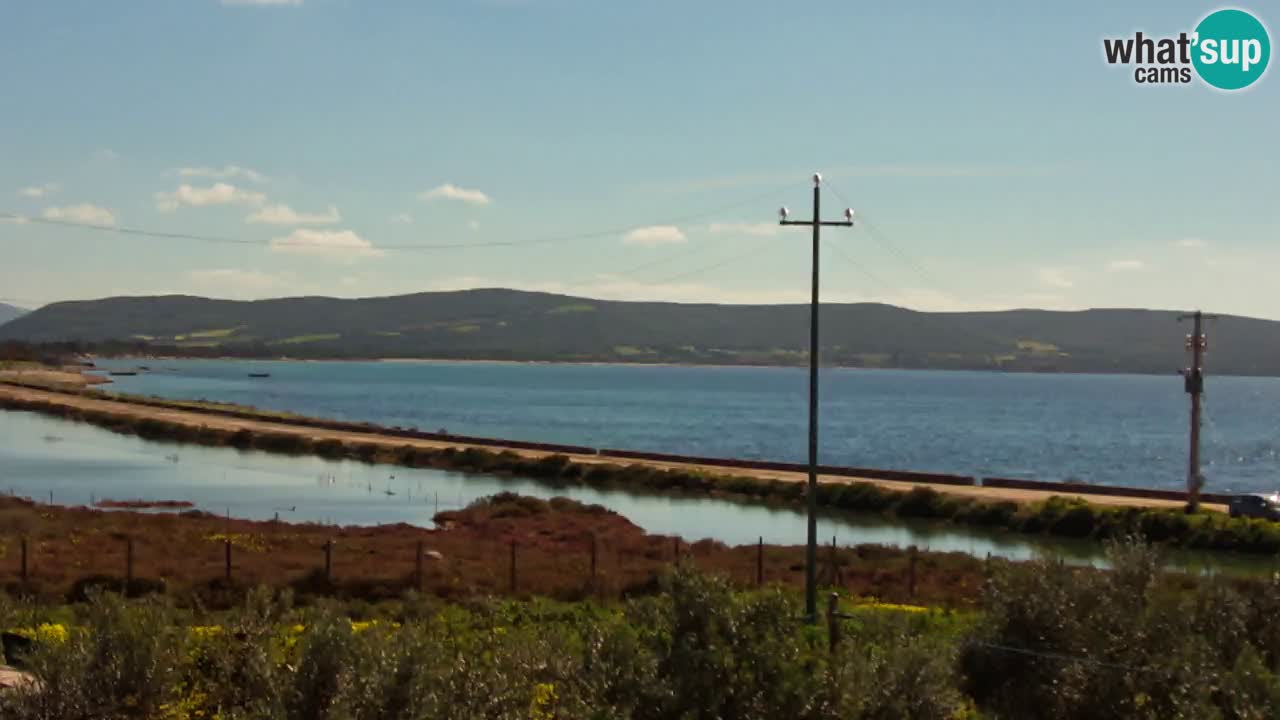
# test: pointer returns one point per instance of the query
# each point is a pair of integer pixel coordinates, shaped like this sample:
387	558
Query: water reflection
85	463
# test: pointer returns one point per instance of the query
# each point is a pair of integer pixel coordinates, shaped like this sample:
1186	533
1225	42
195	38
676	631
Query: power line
900	253
688	253
157	234
859	267
749	253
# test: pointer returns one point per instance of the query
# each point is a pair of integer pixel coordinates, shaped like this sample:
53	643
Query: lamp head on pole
783	212
817	178
848	214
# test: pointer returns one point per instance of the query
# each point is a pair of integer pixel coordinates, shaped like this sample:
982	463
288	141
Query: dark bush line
1112	490
1056	516
874	473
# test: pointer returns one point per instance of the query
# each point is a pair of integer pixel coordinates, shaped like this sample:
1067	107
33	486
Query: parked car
1255	505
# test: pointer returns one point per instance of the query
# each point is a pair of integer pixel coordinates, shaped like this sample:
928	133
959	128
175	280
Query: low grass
219	333
1046	641
632	350
301	339
182	555
571	308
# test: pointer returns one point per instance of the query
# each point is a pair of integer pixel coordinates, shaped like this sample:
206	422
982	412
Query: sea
1112	429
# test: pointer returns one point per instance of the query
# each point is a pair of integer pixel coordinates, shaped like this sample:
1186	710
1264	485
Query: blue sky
1000	161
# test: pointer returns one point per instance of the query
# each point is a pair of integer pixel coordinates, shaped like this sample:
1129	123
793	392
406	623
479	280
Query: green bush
1062	642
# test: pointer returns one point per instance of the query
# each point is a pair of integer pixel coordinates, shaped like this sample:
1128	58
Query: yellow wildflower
542	706
45	632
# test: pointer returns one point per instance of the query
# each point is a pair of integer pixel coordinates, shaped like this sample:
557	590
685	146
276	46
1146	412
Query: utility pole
1194	384
811	547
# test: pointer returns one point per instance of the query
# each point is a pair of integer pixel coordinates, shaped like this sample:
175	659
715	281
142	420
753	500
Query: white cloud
39	191
218	194
1125	265
1054	277
291	3
754	229
285	215
106	154
449	191
474	225
223	173
83	213
401	219
654	235
329	244
1191	243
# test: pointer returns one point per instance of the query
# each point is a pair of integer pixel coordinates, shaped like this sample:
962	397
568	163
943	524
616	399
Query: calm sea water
1116	429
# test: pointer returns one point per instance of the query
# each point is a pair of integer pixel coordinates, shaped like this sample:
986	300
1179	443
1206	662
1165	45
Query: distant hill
512	325
9	312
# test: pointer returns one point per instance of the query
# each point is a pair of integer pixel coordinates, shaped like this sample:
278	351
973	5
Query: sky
628	150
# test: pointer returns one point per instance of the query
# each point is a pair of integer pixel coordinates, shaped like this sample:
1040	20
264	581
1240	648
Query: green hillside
512	325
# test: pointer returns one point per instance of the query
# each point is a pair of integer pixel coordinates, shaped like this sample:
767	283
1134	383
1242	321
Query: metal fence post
226	548
911	574
835	568
24	560
677	550
328	561
833	622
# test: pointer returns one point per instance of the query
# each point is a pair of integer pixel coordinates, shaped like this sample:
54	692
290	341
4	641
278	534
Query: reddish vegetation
143	504
184	554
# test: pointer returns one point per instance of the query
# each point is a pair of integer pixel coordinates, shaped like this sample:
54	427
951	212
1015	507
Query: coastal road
195	418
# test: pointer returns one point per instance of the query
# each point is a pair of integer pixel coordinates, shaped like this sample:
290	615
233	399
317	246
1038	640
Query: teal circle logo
1231	49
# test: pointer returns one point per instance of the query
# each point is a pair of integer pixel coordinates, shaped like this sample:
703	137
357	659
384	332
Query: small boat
123	373
259	375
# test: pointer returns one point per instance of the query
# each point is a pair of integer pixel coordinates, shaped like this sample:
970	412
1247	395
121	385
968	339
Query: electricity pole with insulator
1196	343
811	547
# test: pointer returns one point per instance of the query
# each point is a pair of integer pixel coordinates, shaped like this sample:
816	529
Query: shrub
1061	642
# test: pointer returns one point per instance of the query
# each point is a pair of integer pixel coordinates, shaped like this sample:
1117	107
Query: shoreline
625	363
192	416
1018	510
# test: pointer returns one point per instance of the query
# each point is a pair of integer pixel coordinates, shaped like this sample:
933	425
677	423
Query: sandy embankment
197	419
70	377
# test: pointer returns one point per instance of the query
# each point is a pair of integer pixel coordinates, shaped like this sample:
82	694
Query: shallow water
1114	429
75	464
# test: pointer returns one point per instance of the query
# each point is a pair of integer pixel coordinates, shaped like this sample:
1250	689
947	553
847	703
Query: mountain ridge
501	324
10	312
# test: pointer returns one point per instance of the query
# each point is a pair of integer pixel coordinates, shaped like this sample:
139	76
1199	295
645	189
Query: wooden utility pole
1196	343
811	547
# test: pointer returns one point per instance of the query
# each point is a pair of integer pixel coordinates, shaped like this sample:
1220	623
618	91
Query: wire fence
198	553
